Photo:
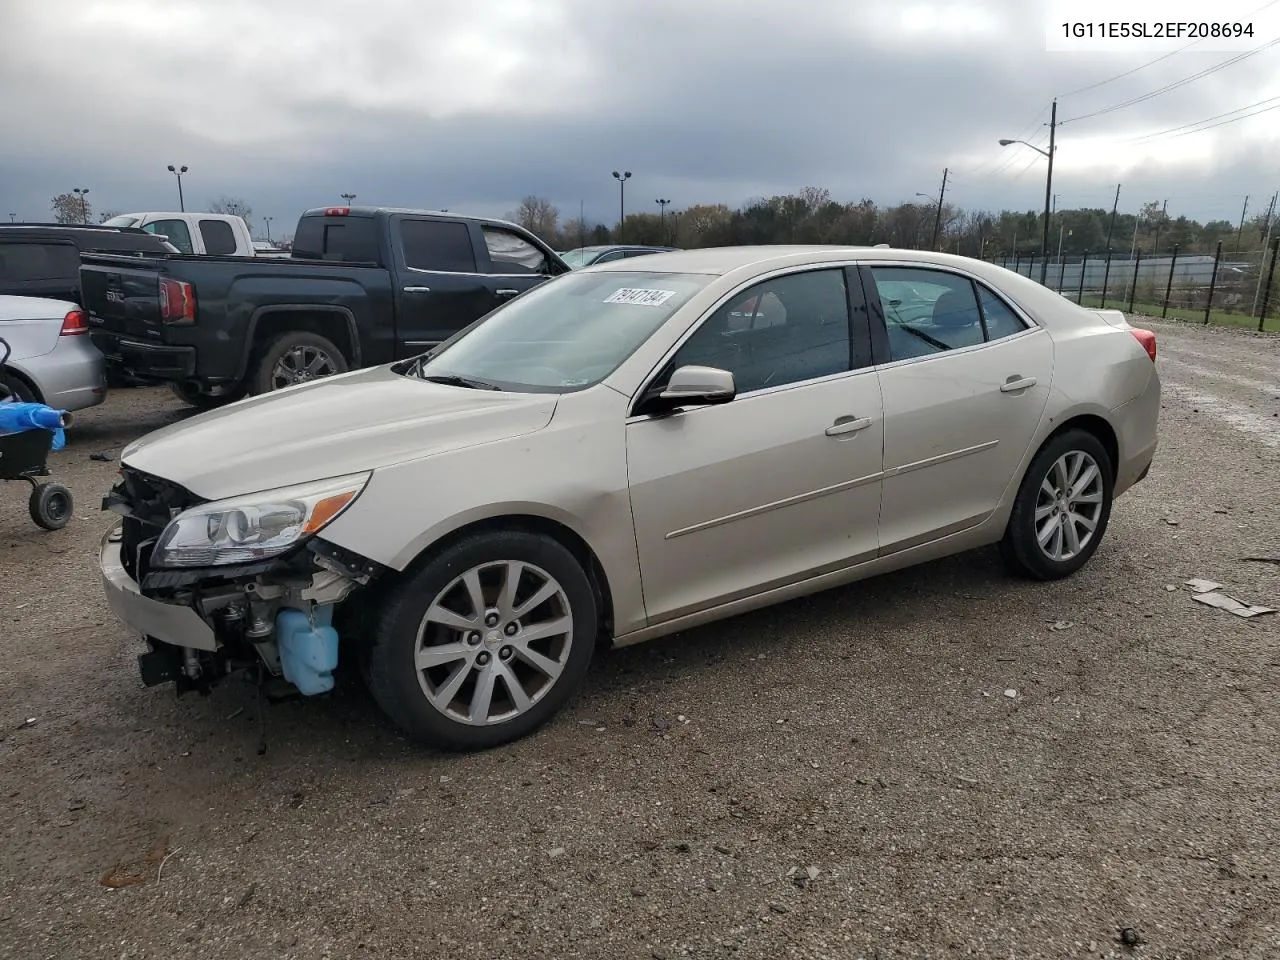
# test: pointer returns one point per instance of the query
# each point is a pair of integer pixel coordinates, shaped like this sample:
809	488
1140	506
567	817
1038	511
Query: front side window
219	239
566	334
785	330
175	231
512	254
440	245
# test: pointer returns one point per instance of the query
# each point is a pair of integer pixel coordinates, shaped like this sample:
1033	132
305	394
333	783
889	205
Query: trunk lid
122	295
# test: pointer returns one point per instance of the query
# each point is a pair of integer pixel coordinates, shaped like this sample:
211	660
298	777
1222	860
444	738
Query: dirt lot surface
971	765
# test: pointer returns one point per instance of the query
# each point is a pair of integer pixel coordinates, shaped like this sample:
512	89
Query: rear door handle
1013	384
417	289
847	425
508	293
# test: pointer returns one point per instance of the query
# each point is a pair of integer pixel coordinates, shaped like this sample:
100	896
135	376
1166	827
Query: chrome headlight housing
256	526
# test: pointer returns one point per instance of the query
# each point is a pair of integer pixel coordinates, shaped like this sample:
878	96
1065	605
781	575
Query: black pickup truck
364	286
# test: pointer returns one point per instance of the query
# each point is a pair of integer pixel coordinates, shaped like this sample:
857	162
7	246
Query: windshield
577	258
565	334
120	221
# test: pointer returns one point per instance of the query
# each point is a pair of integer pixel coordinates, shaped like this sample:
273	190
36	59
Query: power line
1232	61
1196	123
1223	123
1166	56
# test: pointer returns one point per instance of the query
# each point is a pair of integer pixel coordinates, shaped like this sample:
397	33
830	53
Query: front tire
485	642
296	357
1062	508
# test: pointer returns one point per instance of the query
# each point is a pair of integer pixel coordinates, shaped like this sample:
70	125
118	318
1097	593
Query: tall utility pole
1155	247
662	216
1262	256
267	221
622	179
582	224
1048	190
1240	230
1112	225
937	217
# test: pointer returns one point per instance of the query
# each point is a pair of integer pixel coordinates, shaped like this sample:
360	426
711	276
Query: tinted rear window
38	261
345	239
219	239
438	245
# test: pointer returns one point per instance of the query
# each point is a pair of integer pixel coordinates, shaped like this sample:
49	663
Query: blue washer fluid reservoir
308	648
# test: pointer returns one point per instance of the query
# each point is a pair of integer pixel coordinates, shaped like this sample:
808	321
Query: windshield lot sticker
640	296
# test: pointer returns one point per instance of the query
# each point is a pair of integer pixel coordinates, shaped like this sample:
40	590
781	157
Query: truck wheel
297	357
202	401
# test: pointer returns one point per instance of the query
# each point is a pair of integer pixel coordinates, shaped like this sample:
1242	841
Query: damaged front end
217	586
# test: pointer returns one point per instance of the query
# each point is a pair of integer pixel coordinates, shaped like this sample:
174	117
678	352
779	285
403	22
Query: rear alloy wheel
18	389
484	643
297	357
1062	508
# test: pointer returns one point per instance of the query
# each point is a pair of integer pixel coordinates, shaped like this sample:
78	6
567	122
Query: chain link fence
1233	288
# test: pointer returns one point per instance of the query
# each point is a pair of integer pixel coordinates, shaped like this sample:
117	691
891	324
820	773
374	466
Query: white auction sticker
640	296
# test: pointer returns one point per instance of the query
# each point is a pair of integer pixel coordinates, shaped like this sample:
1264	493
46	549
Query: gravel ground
678	807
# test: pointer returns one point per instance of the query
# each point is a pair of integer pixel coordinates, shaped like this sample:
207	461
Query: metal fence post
1133	292
1084	262
1017	264
1173	262
1106	277
1271	272
1213	282
1062	272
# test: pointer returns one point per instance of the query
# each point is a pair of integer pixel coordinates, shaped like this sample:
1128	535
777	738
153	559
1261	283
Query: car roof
722	260
410	211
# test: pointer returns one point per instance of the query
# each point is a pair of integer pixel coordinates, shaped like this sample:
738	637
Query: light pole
267	221
178	172
13	218
1048	186
347	197
622	179
83	194
662	216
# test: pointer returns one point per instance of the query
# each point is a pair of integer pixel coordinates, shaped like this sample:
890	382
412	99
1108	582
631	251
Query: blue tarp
20	417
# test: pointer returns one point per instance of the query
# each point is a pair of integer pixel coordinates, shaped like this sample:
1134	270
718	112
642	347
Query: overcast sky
472	105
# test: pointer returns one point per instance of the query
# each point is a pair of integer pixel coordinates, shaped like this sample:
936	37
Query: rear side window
437	245
1001	321
512	254
219	239
38	261
175	231
344	239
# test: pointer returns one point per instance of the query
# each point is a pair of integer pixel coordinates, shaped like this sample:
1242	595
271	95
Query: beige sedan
622	453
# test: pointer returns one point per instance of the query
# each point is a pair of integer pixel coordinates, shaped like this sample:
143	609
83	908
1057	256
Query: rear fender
345	316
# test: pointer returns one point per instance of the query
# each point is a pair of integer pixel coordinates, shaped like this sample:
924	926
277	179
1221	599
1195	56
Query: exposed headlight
256	526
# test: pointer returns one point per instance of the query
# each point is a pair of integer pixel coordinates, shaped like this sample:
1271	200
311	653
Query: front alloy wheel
484	642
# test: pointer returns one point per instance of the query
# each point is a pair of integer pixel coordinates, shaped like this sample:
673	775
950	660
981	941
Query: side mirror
690	386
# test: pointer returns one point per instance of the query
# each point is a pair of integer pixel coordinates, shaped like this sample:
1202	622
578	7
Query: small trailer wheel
51	505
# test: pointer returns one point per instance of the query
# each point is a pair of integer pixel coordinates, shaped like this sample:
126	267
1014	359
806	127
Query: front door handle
508	293
417	289
847	425
1014	384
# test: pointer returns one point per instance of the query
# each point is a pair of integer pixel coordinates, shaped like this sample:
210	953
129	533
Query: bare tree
69	208
233	206
538	215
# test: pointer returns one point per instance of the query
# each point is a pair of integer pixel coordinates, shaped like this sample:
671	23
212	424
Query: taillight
74	324
177	301
336	211
1148	341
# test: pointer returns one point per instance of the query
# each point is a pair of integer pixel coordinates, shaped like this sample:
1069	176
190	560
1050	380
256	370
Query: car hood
346	424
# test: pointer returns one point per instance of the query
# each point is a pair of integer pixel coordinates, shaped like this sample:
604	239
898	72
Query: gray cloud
472	105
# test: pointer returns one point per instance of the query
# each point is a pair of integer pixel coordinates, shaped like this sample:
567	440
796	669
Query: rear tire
51	506
202	401
296	357
1062	508
485	642
19	389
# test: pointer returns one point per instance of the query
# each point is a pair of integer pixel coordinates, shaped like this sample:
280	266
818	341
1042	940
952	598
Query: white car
51	359
624	452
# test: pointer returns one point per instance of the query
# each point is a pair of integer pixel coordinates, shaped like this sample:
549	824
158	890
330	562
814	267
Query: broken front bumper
168	623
